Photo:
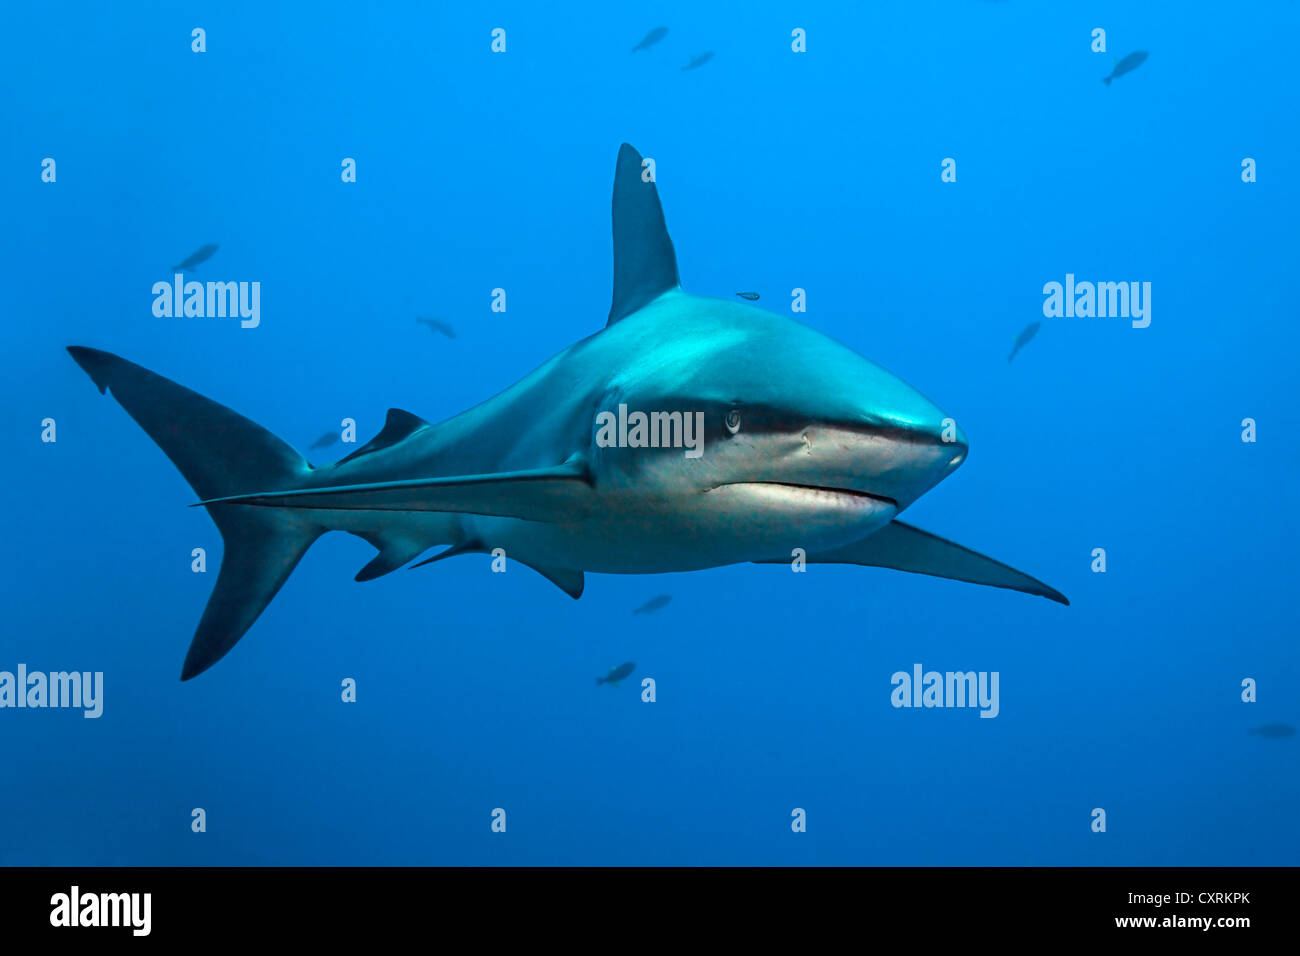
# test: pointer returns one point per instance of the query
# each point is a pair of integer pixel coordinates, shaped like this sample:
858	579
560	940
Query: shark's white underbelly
725	526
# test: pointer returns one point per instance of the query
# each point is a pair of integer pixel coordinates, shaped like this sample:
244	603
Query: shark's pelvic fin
645	264
905	548
559	493
398	426
465	547
219	453
569	581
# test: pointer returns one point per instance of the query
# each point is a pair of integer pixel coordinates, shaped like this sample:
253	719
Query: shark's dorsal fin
397	426
645	264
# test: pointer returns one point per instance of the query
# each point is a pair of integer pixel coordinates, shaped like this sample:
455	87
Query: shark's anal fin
568	580
645	263
905	548
394	551
398	426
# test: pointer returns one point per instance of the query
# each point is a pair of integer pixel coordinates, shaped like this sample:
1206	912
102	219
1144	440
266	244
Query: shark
803	447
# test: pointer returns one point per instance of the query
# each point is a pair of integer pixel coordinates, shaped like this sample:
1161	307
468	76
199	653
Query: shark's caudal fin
905	548
645	264
219	453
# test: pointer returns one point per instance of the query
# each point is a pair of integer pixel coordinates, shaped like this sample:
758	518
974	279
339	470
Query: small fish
654	604
1273	731
1023	338
651	38
751	296
1126	65
325	440
699	61
437	325
616	674
203	254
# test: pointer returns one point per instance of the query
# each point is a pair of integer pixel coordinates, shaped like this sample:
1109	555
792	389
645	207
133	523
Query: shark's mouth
851	497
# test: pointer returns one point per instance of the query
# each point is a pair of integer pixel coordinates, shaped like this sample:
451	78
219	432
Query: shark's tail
219	453
1106	80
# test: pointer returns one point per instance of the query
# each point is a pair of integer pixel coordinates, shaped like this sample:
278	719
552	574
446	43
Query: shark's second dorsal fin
397	426
645	264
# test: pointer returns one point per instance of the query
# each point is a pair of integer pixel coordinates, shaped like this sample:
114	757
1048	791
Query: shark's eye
733	420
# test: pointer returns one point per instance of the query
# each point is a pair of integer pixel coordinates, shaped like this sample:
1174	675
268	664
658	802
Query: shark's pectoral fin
905	548
560	493
645	264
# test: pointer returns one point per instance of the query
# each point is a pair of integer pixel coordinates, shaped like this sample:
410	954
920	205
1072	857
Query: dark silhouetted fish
1126	65
1023	338
751	296
203	254
1273	731
699	61
651	38
616	674
437	325
654	604
325	440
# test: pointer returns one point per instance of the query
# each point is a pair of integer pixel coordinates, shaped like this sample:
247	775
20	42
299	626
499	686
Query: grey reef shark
800	443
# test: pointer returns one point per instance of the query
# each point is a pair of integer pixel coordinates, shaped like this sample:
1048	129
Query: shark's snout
880	436
949	440
917	456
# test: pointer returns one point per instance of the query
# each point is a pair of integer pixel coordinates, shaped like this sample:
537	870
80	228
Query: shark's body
805	445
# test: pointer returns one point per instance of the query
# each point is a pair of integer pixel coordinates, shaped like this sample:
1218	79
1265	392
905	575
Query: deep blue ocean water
777	170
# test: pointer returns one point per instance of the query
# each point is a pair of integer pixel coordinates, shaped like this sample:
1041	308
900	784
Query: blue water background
776	170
